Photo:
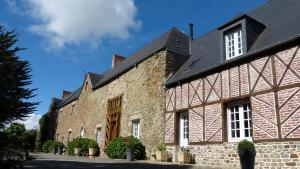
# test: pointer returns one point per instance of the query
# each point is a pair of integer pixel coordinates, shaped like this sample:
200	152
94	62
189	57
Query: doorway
183	129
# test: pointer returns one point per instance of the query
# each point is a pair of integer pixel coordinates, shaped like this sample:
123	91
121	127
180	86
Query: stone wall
143	98
271	84
279	155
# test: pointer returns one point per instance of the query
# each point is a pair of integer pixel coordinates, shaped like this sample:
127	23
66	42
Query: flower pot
129	154
59	150
54	150
92	152
161	156
184	157
247	159
77	151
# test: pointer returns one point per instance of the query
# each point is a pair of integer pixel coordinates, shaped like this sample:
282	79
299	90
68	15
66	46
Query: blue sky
65	40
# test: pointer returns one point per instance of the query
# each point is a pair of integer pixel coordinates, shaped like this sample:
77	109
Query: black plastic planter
247	159
129	154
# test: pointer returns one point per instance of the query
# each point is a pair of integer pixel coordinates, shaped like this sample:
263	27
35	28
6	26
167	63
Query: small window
233	44
69	136
99	135
82	132
136	129
73	109
239	122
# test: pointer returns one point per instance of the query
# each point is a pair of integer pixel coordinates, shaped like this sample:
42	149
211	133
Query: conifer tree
14	80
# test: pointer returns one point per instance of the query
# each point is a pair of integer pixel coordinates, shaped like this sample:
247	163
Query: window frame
234	43
138	124
241	121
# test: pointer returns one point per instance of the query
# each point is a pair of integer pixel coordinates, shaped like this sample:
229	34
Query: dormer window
233	43
238	36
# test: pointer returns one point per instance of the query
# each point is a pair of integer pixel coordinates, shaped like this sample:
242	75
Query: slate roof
94	77
173	40
73	96
282	21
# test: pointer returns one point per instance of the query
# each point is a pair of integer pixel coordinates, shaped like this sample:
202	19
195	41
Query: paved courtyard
48	161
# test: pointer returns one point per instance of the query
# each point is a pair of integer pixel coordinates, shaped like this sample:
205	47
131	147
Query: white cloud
69	22
31	122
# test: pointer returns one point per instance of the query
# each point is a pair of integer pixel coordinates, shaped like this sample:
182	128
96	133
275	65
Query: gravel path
49	161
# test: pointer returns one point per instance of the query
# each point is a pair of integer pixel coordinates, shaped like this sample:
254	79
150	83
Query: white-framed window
233	43
239	122
136	128
99	135
82	132
184	129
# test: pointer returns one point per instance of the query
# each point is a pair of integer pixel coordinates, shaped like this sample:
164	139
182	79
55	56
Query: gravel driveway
48	161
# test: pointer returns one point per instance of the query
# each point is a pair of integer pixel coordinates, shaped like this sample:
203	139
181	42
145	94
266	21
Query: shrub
58	145
117	148
82	143
161	147
93	144
47	146
246	145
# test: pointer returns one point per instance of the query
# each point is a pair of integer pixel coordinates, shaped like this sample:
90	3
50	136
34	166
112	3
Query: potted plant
77	148
161	153
53	148
246	152
59	147
129	149
184	155
93	147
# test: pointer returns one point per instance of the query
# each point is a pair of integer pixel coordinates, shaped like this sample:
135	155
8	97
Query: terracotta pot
77	151
92	152
161	156
184	157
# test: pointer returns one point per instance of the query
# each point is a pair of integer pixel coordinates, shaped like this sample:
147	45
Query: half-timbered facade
242	81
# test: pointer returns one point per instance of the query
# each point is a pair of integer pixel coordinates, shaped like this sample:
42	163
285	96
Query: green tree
14	80
44	123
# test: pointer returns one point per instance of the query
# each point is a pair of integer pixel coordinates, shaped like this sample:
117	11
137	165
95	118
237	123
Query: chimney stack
191	38
116	59
65	94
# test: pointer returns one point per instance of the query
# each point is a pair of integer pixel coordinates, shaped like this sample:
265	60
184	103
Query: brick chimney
116	59
65	94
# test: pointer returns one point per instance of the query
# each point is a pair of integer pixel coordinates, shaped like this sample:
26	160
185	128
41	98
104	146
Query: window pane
232	117
232	125
246	133
245	106
233	134
237	116
245	115
236	108
237	125
246	124
238	133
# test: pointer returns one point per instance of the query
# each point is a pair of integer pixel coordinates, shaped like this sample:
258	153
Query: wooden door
113	119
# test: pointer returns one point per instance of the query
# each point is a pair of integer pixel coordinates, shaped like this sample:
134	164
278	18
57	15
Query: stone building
242	81
128	99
